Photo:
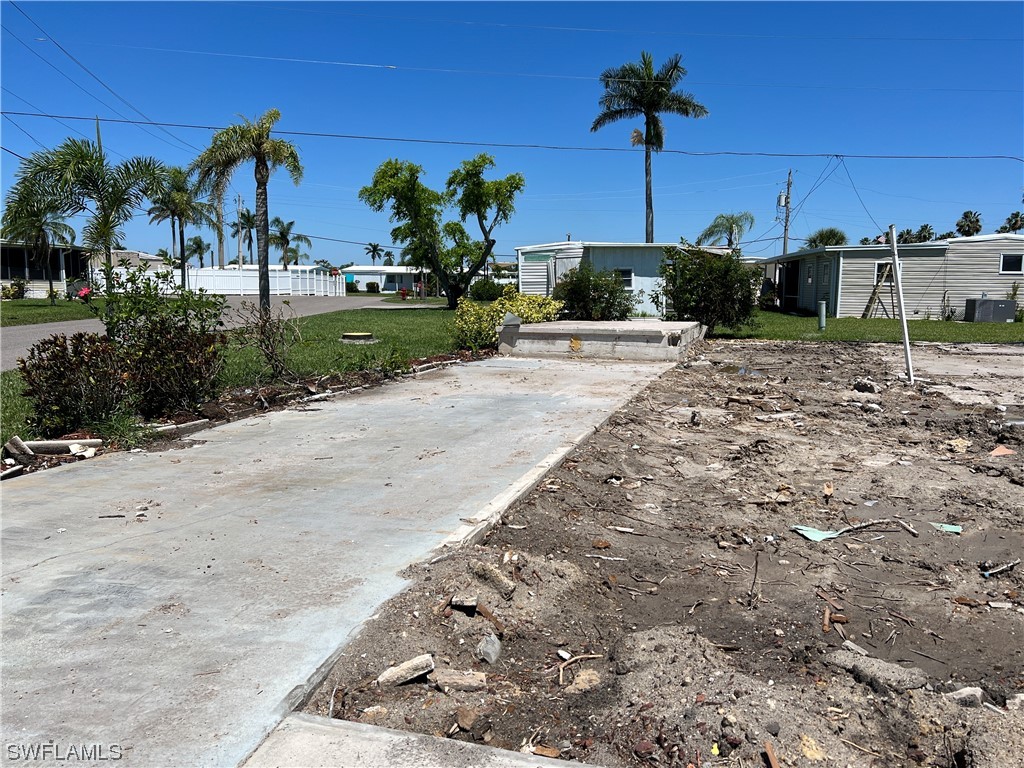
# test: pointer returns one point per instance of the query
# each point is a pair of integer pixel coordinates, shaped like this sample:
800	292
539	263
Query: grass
33	311
14	408
775	325
429	300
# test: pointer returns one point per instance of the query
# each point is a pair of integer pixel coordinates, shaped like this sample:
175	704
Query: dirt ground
654	605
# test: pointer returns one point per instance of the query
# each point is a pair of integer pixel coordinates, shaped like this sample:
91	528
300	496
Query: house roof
397	270
576	244
884	247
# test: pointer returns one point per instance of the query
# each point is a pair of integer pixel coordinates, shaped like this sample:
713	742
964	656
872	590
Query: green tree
446	249
726	226
1014	222
180	201
716	290
946	235
374	251
389	259
282	236
829	236
925	233
636	90
905	236
31	218
589	295
293	256
197	248
245	142
79	178
243	228
969	224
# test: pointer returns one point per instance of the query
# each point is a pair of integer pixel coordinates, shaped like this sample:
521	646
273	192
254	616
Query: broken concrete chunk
867	385
465	602
407	671
882	676
458	680
488	573
584	681
967	697
489	649
16	447
871	408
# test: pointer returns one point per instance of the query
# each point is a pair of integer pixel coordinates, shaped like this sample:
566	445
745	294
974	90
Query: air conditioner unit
989	311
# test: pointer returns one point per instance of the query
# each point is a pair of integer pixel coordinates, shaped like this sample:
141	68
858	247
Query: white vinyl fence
239	282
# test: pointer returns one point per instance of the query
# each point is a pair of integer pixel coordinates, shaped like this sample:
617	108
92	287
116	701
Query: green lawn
775	325
32	311
431	300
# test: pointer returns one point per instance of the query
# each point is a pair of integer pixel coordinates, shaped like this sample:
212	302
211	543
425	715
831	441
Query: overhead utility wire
539	75
500	145
37	141
20	157
97	78
69	127
859	198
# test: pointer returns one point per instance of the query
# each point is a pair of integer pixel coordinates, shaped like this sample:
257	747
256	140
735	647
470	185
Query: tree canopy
727	226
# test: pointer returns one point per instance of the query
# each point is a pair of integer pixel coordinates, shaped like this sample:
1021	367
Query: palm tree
293	256
80	178
829	236
180	202
636	90
969	224
282	237
1015	222
242	230
197	248
925	234
374	251
389	259
726	226
32	219
946	236
905	236
238	144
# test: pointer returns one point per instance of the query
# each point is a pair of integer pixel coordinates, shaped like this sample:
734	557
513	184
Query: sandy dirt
654	605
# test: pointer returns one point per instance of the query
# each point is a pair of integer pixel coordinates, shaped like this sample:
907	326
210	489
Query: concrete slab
640	339
315	742
182	637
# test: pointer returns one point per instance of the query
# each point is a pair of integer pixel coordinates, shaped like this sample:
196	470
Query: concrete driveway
173	607
16	340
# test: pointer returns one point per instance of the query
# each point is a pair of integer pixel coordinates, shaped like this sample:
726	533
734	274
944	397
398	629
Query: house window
626	276
1011	263
880	267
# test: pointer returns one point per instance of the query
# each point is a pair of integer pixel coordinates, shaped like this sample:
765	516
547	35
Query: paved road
16	340
184	636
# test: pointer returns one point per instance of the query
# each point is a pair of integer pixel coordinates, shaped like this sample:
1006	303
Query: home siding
645	263
818	282
961	271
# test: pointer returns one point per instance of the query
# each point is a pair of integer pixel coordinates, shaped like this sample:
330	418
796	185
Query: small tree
713	289
446	249
590	295
828	236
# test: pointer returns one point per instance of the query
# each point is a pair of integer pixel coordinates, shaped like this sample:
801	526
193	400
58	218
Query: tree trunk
650	194
174	241
49	278
181	251
220	233
263	234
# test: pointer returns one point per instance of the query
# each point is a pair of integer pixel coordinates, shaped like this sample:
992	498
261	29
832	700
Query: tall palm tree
32	219
282	237
389	259
946	236
180	200
80	178
827	236
969	224
242	230
293	256
905	236
726	226
636	90
197	248
925	233
374	251
239	144
1015	222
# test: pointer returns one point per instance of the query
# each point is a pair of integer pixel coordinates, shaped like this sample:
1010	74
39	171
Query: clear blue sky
918	78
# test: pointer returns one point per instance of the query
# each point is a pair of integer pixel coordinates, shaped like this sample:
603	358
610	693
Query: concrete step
609	340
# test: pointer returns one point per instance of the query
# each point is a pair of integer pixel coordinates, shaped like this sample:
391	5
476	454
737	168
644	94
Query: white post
899	298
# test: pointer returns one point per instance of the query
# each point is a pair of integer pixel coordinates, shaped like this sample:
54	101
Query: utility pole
785	221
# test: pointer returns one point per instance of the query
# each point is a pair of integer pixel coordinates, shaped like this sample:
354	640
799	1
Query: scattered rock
1015	703
489	649
488	573
811	749
773	728
584	681
458	680
867	385
882	676
871	408
407	671
466	717
465	602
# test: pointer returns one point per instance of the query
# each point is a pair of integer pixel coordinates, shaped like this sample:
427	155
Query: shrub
352	287
372	287
590	295
476	325
713	289
484	289
16	290
74	382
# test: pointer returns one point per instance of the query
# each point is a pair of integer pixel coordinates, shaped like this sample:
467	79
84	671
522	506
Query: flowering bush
476	325
85	293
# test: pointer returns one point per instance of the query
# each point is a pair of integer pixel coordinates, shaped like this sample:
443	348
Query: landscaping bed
654	605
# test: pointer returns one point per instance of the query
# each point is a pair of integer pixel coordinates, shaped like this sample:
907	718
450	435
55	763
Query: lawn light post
899	298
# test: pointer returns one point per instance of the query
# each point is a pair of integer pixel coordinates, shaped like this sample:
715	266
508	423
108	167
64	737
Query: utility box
990	311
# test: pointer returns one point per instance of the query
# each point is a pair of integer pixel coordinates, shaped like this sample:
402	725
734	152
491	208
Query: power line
536	75
70	128
96	77
37	141
877	226
11	151
554	147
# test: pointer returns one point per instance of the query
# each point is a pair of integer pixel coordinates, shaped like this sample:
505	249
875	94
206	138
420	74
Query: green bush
590	295
372	287
16	290
713	289
476	325
484	289
74	382
352	287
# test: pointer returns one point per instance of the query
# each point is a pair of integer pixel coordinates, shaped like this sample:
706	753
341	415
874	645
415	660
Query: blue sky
877	78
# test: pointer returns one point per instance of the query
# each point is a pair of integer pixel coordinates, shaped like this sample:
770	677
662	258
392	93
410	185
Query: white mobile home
388	279
938	277
542	266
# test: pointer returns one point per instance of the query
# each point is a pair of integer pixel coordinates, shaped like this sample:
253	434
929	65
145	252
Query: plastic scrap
947	528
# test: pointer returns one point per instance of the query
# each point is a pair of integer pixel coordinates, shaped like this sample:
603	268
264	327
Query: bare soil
665	612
